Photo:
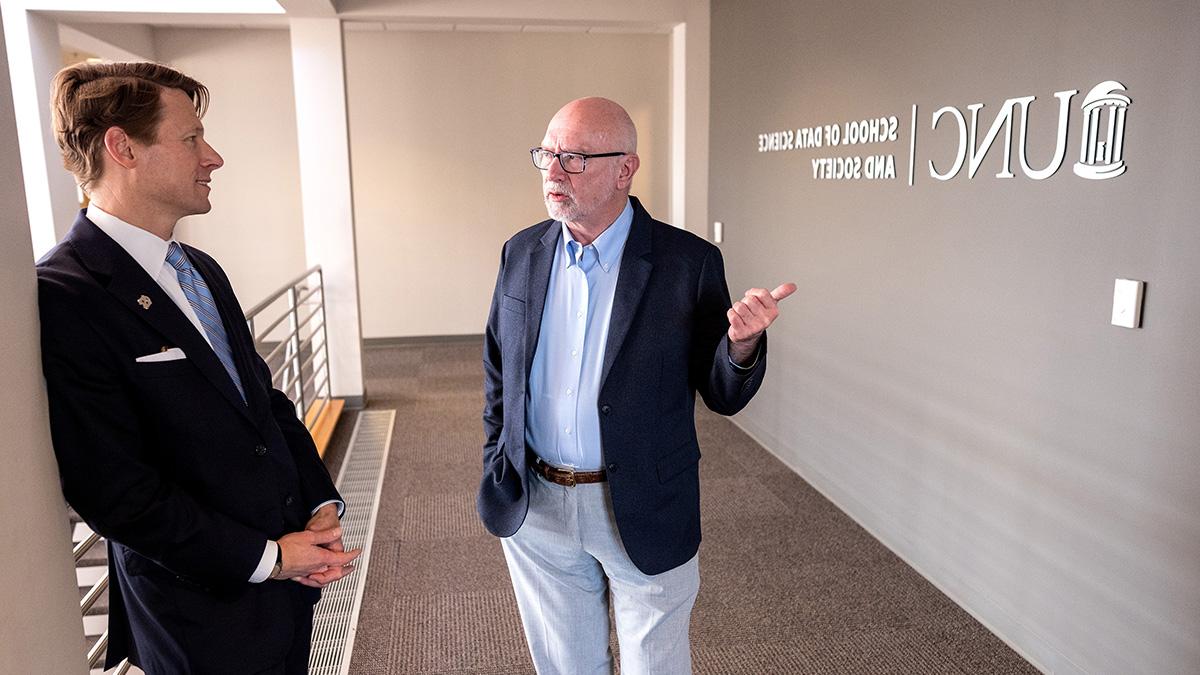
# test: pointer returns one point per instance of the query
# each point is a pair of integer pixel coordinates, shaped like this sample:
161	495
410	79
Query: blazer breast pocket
513	304
154	369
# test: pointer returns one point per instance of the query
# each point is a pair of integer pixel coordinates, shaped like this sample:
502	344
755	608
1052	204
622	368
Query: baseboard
421	340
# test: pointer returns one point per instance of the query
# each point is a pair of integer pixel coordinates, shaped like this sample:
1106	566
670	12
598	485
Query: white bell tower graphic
1100	159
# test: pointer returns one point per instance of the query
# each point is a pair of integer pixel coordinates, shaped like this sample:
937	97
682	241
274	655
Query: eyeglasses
571	162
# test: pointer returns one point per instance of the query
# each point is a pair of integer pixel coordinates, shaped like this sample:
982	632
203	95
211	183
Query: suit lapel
540	260
631	285
132	288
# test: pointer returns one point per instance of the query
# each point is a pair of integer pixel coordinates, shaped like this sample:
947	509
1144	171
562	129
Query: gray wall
947	373
40	626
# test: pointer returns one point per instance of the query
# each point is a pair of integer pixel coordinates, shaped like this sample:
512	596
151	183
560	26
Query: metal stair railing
294	342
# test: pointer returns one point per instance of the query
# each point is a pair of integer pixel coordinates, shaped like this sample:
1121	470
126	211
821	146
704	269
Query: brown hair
87	99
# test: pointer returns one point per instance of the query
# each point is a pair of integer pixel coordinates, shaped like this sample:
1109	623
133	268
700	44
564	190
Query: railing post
294	348
324	337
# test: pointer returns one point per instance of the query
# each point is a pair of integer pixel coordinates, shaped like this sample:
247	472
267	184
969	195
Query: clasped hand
316	556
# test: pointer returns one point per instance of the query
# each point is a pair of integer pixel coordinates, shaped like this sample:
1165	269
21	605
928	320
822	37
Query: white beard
562	211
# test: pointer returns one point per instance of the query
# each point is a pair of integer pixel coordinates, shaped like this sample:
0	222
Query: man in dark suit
603	326
221	519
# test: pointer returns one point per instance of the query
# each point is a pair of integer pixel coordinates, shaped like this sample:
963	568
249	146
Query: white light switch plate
1127	303
718	232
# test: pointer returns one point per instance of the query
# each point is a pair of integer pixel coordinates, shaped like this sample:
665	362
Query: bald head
593	194
604	121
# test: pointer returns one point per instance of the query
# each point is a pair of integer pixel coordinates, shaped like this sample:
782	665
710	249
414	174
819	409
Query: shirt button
579	314
567	430
260	450
574	352
569	392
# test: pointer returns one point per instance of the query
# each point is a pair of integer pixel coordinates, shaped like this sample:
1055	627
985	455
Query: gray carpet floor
789	584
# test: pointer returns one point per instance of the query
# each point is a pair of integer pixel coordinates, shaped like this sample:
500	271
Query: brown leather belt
567	477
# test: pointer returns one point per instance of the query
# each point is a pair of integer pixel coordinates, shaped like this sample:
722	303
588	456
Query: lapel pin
144	301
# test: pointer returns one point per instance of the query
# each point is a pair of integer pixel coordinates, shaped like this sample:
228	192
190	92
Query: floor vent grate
360	481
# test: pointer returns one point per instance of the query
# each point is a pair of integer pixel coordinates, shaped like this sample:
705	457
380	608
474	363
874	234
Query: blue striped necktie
201	299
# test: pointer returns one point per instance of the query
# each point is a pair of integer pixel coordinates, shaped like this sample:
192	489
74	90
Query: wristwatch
278	567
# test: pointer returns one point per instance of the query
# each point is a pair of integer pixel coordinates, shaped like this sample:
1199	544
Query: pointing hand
750	316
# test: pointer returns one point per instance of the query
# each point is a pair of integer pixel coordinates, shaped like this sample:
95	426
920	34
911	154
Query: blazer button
289	500
606	408
260	450
612	468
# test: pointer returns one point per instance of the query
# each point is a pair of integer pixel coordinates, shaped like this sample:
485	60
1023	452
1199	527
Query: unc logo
1100	159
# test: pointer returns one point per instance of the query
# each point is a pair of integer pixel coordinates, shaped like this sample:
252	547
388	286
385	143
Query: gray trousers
566	561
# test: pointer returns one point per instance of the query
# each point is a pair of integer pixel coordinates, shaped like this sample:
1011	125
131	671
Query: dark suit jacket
164	459
667	340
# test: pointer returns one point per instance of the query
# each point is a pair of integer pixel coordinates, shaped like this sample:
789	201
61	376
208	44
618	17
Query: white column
698	21
1119	142
318	71
678	113
41	624
1112	130
1087	137
1093	134
689	119
34	56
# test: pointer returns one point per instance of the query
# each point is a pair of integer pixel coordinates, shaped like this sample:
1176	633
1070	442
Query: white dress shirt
150	252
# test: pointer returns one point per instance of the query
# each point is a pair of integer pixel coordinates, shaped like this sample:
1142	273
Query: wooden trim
321	421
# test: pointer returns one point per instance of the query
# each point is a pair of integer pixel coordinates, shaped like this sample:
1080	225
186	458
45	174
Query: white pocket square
172	354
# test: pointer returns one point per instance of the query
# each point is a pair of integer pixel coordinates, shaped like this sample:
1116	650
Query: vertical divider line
912	146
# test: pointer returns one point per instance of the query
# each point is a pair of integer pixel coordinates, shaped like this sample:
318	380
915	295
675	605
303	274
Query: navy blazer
667	340
185	480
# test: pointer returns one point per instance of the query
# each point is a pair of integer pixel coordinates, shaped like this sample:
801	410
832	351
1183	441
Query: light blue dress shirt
562	423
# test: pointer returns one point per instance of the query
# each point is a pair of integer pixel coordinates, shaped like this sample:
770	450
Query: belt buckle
570	477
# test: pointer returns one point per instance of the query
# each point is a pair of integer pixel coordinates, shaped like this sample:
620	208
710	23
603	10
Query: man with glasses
603	326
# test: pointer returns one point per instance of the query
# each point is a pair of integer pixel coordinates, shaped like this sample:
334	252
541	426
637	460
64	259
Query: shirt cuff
270	554
340	504
746	369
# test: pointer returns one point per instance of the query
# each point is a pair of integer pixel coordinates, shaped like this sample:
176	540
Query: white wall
254	229
440	126
113	41
947	372
40	622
